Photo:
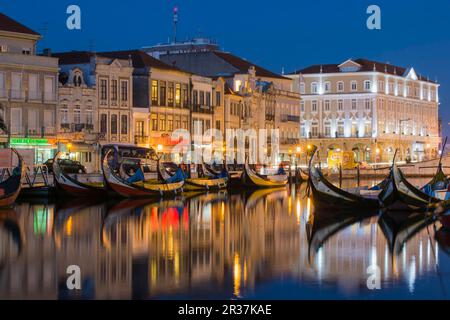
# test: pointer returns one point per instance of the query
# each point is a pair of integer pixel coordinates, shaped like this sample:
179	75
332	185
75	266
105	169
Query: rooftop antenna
175	21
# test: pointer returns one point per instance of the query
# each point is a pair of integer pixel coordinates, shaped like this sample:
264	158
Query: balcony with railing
202	109
16	94
289	118
140	139
289	141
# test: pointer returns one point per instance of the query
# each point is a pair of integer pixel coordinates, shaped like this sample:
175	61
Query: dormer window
349	66
77	80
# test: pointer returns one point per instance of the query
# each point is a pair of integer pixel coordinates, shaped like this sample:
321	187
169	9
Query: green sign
29	141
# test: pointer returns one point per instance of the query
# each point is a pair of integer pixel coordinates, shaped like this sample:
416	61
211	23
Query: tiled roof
366	65
11	25
140	59
243	65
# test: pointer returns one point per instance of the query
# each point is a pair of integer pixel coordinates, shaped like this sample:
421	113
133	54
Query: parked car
67	165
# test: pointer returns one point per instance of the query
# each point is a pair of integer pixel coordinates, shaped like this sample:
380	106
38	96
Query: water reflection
216	245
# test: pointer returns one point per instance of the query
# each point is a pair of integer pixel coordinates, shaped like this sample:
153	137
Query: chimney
47	52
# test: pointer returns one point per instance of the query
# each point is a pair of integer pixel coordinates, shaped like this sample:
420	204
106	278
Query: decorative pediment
349	66
410	73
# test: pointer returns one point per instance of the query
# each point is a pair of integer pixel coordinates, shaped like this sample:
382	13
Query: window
26	51
162	123
16	120
353	104
4	48
139	128
33	86
49	89
208	99
340	86
33	121
327	129
327	105
314	87
315	130
202	98
77	115
354	85
162	93
340	129
64	115
314	105
154	92
218	124
178	95
124	124
103	123
114	124
302	88
367	104
327	86
77	80
89	117
302	106
367	85
218	99
169	123
170	94
124	90
391	88
185	96
154	124
103	89
16	85
340	105
114	90
195	97
2	84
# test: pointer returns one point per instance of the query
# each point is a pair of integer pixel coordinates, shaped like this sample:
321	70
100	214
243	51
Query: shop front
44	149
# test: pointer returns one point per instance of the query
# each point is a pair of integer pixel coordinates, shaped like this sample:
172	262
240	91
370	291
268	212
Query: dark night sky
280	34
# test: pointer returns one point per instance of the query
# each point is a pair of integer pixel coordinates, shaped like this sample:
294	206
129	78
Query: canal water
267	244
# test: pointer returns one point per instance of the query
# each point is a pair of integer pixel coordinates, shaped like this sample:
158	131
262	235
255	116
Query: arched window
77	79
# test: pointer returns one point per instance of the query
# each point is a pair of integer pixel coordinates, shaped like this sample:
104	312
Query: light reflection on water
265	244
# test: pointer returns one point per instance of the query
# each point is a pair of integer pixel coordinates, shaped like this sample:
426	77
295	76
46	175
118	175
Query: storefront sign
29	141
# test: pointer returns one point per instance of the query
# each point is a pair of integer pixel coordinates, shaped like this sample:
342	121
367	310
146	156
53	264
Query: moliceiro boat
145	188
326	194
10	188
211	180
250	178
73	186
399	194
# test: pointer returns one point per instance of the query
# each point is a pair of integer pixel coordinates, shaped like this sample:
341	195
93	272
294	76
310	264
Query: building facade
369	108
28	91
95	104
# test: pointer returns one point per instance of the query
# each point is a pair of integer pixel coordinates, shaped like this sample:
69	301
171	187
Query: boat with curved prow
147	188
398	194
10	188
75	187
326	195
250	178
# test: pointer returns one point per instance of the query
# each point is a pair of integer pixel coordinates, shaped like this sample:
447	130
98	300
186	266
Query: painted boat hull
138	190
13	183
251	179
72	186
206	184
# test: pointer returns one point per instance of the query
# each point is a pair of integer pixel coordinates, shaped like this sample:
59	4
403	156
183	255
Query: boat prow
138	189
10	188
250	178
73	186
